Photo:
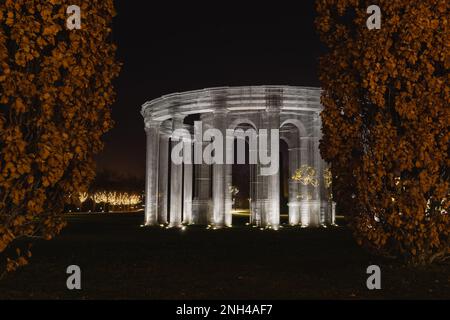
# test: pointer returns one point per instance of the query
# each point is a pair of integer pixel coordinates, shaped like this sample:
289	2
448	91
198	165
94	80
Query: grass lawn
119	260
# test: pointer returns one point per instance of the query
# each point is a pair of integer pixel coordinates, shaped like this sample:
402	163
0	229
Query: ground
119	260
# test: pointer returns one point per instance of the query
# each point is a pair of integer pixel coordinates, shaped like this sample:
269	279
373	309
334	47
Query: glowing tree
55	93
386	122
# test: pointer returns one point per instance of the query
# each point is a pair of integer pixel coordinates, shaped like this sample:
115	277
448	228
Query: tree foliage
386	122
55	93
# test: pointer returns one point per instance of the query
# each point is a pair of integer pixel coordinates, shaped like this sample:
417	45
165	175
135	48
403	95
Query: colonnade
185	194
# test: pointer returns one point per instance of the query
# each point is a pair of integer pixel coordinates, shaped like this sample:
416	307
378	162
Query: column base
294	213
200	211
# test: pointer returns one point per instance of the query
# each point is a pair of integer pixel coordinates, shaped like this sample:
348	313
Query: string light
112	198
306	175
83	196
328	178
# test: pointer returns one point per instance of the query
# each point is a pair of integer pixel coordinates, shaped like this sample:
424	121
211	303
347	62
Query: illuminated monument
200	193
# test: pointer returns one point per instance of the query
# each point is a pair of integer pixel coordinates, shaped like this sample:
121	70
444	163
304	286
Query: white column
219	181
187	194
176	178
326	194
253	193
163	182
203	191
304	190
229	182
151	179
261	195
206	188
319	211
273	117
294	207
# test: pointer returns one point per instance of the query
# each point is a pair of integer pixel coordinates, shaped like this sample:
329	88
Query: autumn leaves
386	123
55	93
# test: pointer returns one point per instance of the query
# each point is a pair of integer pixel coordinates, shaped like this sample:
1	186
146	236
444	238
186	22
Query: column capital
189	128
220	112
165	129
178	120
151	124
272	110
178	116
165	134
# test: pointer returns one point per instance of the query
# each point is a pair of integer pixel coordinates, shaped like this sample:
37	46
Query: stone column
176	178
151	179
203	181
319	209
326	195
219	173
261	180
294	187
205	172
261	195
273	117
229	148
187	194
304	196
253	193
203	191
163	182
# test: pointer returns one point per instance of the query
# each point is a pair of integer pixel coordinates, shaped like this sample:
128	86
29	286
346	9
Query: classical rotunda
188	193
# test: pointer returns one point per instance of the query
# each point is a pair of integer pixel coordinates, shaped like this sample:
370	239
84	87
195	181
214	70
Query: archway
284	182
292	132
242	189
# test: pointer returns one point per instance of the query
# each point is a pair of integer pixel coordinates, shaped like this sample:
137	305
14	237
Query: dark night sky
175	48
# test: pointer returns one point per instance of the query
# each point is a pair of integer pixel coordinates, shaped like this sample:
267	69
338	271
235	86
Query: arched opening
242	173
240	191
291	133
284	182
